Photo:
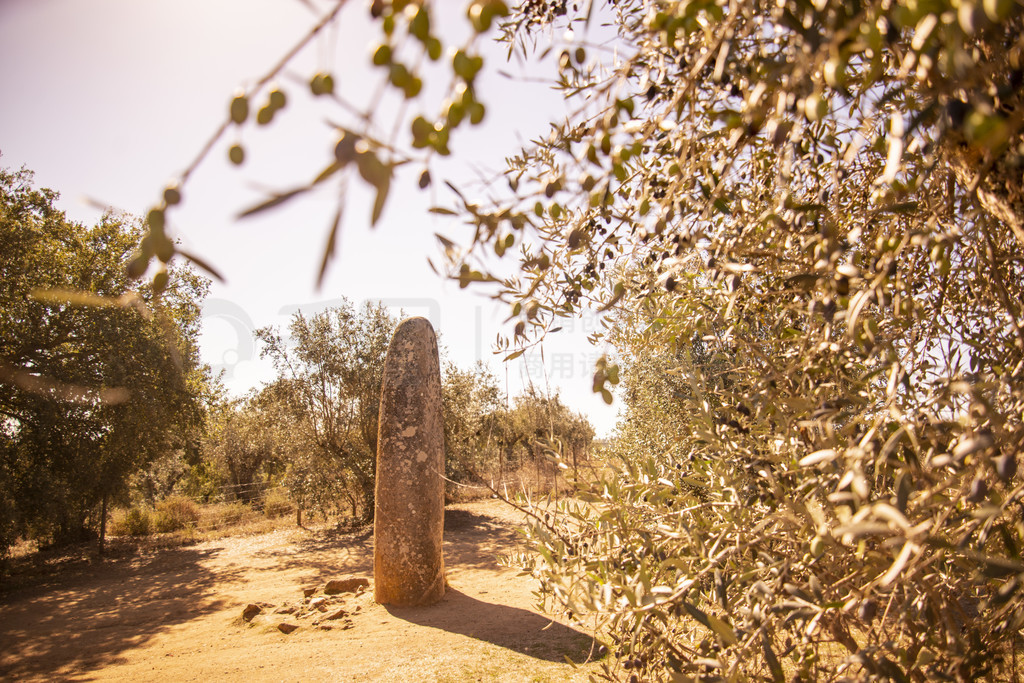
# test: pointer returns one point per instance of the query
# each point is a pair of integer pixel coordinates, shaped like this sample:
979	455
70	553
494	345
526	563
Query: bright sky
110	99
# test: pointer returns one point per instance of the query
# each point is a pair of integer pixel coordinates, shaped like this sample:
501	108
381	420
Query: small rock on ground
345	585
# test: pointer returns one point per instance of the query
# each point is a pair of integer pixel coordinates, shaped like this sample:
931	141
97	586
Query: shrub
223	515
135	521
277	503
175	513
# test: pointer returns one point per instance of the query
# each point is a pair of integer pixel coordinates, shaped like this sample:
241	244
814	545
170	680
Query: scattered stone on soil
345	585
250	611
344	625
309	591
334	609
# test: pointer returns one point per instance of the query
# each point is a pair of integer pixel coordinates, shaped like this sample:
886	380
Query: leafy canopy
97	377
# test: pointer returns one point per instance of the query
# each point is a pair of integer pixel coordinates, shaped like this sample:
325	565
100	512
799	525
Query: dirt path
175	615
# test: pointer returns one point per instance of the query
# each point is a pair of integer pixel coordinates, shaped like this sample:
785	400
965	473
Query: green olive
419	27
399	75
480	16
413	88
997	10
160	281
155	220
172	195
322	84
815	107
236	153
476	113
316	84
421	131
372	169
434	49
345	150
164	249
455	114
278	100
137	266
382	55
240	109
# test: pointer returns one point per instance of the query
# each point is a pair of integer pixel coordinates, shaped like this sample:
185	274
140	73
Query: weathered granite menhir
408	564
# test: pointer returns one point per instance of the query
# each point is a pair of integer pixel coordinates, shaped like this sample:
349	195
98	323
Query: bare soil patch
176	614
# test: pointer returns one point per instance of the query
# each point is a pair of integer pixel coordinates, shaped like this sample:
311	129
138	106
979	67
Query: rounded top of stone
416	325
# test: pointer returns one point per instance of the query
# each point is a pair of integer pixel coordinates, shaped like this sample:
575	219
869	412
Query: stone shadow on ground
66	626
512	628
456	519
326	554
476	542
472	541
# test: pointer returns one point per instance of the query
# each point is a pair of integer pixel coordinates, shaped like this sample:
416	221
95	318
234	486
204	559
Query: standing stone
408	565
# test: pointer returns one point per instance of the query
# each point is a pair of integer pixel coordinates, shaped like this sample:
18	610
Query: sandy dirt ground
176	615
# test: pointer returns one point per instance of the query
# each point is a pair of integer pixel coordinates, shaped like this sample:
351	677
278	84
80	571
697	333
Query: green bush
175	513
135	521
223	515
277	503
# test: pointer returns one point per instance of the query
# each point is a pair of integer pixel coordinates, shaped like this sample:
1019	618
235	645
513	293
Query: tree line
315	426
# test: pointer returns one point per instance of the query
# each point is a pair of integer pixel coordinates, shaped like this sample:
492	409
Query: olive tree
809	215
331	374
470	397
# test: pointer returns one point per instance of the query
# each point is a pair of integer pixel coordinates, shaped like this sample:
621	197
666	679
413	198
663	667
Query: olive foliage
329	374
804	220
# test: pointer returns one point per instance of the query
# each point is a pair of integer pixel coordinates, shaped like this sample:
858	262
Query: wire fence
231	505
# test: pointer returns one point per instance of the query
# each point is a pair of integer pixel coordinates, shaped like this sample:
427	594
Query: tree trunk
536	471
352	502
501	466
101	543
